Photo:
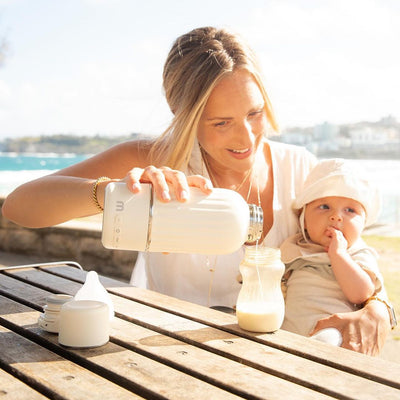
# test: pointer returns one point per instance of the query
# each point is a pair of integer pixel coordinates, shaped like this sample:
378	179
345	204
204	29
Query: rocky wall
70	242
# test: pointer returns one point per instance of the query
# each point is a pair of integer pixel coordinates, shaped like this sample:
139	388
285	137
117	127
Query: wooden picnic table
161	347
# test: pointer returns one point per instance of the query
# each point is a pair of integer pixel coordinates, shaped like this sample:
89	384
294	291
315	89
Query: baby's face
342	213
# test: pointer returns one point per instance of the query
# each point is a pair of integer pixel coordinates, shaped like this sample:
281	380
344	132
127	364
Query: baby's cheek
328	233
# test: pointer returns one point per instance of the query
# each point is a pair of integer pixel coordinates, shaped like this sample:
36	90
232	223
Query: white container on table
84	323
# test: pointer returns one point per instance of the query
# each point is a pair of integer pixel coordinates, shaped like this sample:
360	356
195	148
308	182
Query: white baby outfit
312	289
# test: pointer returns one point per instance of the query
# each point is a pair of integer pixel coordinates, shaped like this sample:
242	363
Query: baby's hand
338	242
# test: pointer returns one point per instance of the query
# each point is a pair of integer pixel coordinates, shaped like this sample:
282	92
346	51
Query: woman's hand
165	179
364	330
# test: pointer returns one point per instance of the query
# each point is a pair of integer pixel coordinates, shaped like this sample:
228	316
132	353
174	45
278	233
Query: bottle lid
58	299
255	223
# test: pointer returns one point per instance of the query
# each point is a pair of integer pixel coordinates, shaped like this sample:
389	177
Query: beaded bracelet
392	314
94	190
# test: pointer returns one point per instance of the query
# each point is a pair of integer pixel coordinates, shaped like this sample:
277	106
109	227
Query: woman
217	138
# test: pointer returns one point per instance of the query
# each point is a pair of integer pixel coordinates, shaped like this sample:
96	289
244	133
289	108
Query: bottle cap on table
84	323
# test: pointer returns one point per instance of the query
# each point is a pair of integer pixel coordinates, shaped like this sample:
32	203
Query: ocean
17	168
386	175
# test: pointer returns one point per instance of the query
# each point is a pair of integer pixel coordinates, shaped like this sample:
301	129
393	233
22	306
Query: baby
329	268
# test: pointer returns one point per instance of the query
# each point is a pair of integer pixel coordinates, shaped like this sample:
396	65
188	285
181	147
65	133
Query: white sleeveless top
188	276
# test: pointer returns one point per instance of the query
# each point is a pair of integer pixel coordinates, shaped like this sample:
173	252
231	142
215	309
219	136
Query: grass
388	249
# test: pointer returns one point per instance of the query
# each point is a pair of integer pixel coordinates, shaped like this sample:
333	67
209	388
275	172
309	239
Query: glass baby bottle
260	305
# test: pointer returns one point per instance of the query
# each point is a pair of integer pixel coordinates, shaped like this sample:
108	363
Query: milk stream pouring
218	223
260	305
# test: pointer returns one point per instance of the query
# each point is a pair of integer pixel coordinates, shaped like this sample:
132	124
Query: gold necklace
214	179
258	191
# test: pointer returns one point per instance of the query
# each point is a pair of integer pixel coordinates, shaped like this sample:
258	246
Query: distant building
380	139
375	139
295	137
326	136
326	132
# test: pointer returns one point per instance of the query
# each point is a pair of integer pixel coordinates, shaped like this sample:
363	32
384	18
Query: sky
91	67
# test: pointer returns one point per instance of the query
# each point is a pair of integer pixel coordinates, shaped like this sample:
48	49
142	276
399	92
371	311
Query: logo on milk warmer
119	206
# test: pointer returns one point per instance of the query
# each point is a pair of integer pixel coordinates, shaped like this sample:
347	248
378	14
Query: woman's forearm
51	200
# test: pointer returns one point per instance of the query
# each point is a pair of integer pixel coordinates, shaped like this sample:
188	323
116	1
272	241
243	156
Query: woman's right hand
364	330
165	179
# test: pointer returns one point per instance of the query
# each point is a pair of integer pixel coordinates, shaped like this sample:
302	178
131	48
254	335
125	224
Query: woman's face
233	122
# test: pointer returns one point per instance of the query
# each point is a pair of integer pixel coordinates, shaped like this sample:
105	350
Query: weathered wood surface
198	348
53	374
137	370
223	372
339	358
12	388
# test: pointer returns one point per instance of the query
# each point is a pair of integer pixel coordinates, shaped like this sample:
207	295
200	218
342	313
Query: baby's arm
356	283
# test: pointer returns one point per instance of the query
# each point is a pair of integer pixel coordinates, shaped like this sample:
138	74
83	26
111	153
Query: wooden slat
205	365
369	367
135	370
47	282
255	354
38	297
52	373
285	365
359	364
12	388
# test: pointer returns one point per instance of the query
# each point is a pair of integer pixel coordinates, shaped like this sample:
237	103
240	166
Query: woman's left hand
364	330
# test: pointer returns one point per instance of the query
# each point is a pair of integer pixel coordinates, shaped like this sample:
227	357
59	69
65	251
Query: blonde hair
195	64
